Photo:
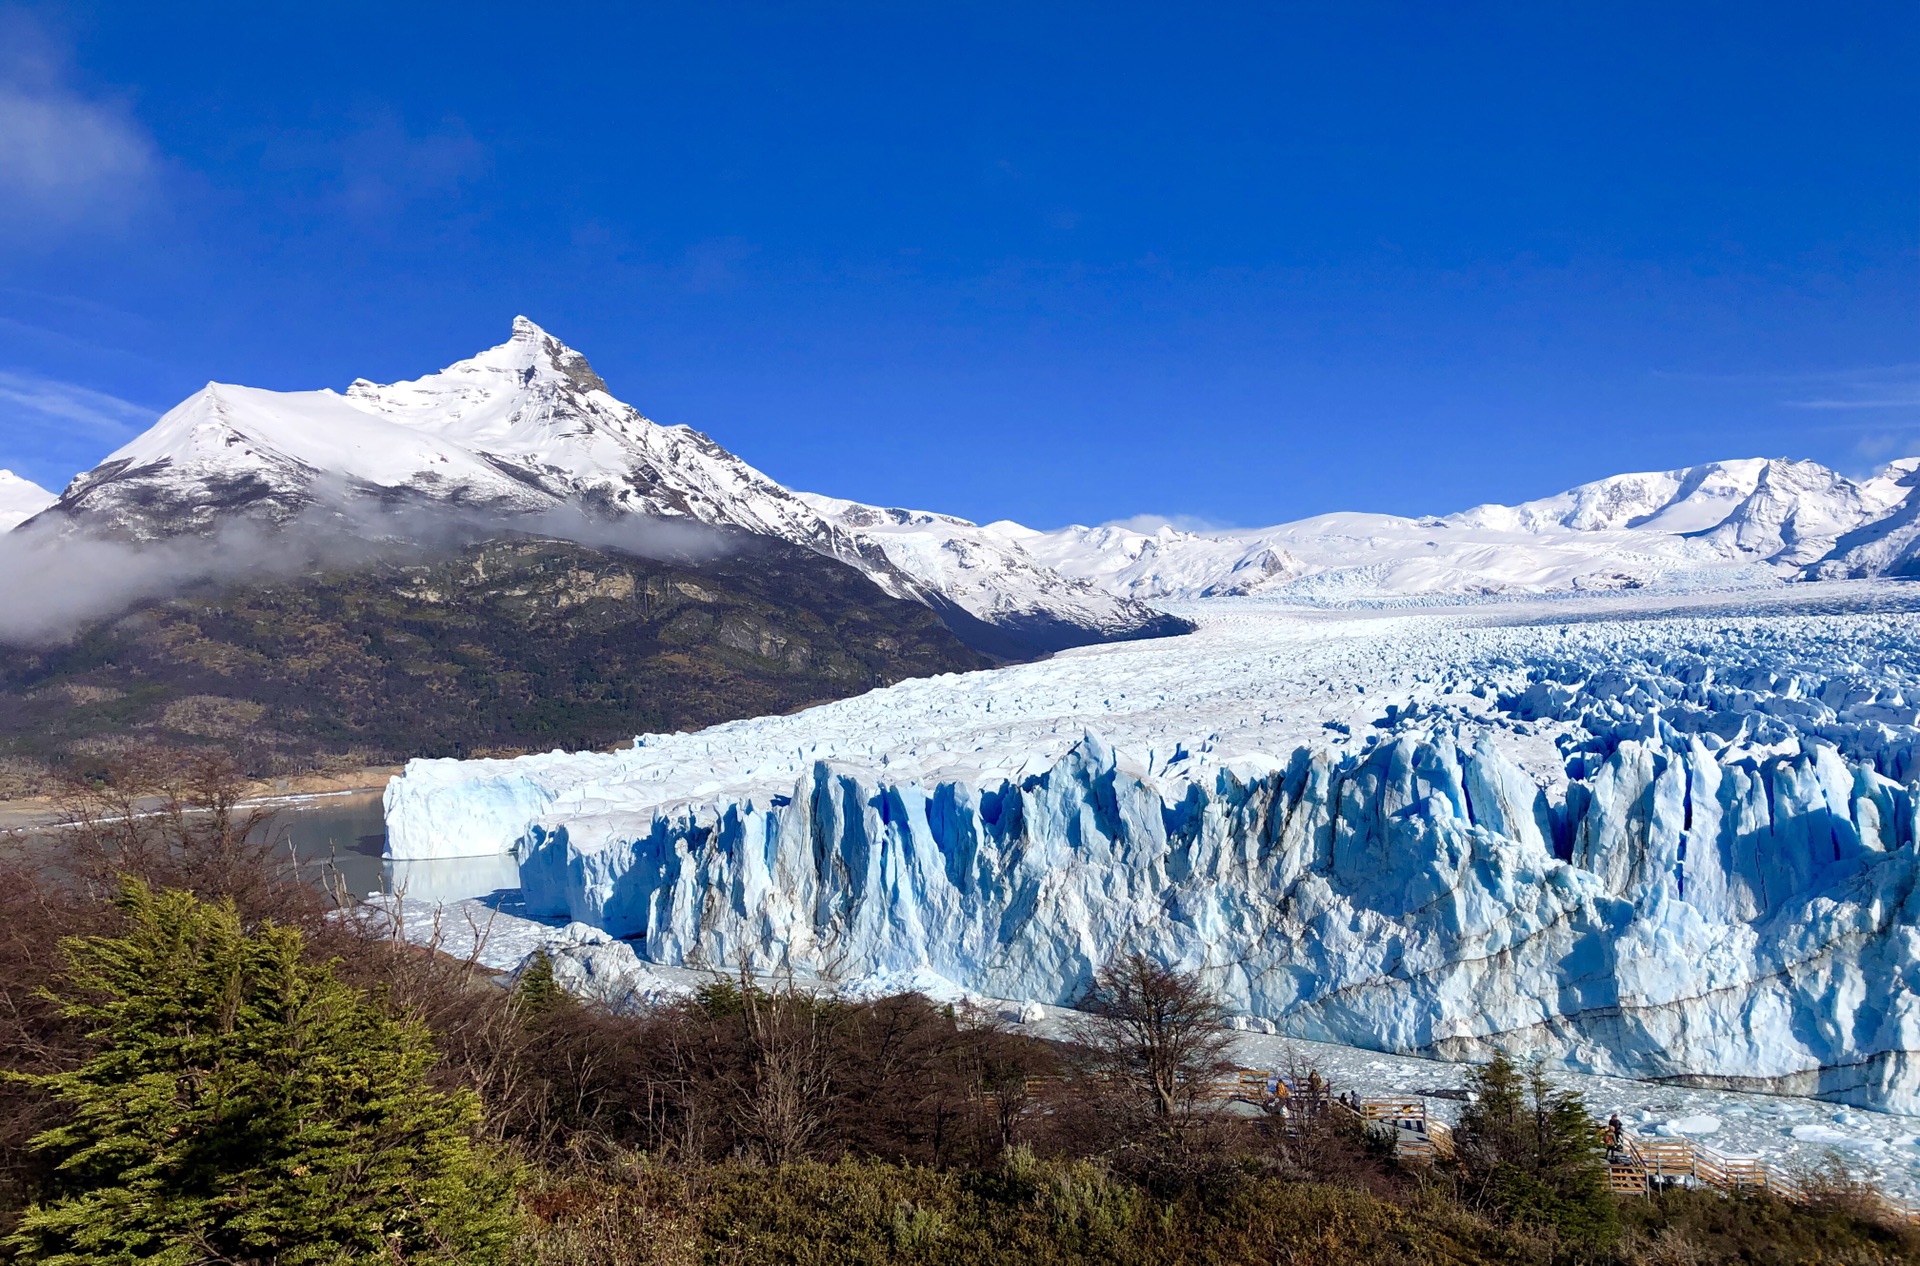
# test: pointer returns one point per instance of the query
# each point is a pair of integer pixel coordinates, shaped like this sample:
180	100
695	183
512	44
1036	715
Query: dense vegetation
240	1103
502	647
211	1066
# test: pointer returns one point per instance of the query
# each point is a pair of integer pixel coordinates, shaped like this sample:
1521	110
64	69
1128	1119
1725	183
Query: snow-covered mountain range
20	499
1723	524
527	427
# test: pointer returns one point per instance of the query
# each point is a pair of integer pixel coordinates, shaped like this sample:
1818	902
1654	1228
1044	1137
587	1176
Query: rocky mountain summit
528	428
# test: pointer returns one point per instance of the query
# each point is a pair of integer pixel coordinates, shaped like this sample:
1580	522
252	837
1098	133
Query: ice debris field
1645	837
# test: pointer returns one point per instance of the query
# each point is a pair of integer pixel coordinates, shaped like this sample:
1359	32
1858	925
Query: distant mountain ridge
509	645
527	427
1734	523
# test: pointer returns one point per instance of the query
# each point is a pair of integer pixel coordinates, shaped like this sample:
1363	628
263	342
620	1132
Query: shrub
244	1106
1682	1226
1529	1151
536	991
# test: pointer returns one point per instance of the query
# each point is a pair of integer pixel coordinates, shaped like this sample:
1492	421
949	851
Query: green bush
1075	1213
244	1106
536	991
1530	1152
1705	1226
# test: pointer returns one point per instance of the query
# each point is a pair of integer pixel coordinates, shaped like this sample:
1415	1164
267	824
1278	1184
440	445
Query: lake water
349	835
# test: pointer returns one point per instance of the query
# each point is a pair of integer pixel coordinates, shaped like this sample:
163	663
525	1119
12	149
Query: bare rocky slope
511	645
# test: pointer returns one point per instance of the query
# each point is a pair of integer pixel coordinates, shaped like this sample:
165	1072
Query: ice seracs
1638	841
527	427
20	499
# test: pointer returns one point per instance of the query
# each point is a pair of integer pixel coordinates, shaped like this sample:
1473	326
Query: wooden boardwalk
1636	1166
1641	1166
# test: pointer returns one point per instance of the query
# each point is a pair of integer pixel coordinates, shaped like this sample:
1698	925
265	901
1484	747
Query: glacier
1670	839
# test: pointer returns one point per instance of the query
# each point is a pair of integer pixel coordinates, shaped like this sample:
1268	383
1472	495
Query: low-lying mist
56	577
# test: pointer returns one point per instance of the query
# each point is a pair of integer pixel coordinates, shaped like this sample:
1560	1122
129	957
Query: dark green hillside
510	646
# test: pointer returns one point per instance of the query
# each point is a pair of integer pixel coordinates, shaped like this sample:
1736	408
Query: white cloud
29	402
64	158
1886	387
1151	523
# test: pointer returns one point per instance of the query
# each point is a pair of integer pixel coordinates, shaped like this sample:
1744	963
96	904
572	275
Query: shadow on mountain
1034	636
498	647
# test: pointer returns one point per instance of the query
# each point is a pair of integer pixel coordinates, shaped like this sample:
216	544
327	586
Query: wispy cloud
1878	403
29	402
66	158
378	165
1891	387
1151	523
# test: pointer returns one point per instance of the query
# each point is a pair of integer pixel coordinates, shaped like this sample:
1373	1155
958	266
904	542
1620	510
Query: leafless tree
1155	1029
177	821
783	1102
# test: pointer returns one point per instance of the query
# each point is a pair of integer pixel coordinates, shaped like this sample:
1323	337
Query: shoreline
38	812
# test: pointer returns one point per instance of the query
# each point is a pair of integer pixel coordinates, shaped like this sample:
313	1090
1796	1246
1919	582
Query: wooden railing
1636	1165
1640	1166
1417	1137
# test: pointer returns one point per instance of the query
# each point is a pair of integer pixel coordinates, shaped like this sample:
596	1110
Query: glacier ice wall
1641	837
1750	924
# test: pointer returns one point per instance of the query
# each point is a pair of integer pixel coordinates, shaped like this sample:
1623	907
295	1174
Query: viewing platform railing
1636	1165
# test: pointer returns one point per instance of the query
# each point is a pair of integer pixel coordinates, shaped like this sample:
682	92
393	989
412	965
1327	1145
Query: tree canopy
243	1105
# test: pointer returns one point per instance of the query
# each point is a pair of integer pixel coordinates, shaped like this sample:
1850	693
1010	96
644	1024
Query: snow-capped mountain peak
487	396
528	426
20	499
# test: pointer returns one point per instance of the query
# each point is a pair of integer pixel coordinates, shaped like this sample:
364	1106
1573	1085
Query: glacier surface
1660	839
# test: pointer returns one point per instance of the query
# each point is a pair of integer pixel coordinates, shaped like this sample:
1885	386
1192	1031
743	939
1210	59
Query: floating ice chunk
1693	1126
1827	1136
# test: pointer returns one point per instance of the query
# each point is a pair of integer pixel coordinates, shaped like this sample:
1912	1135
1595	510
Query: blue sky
1047	262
